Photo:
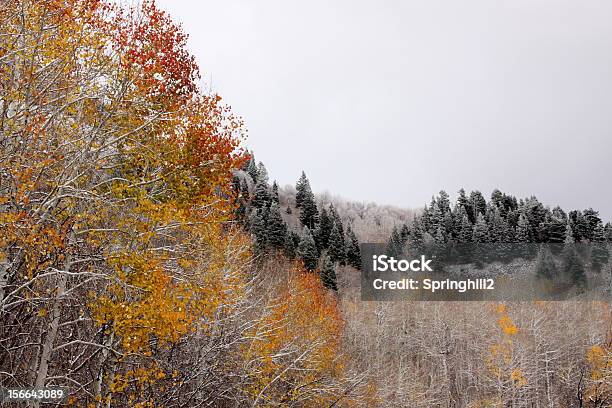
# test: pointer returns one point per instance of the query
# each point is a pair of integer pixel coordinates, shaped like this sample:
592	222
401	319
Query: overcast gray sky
391	101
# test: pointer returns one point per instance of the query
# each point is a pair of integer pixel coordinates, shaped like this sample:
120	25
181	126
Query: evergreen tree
301	187
464	203
288	210
261	198
337	250
478	204
497	226
440	241
258	230
559	213
523	230
307	250
394	245
309	214
555	228
444	202
608	232
416	241
573	269
536	214
262	174
579	225
251	168
569	235
497	199
328	274
481	230
591	219
480	236
336	219
425	219
325	226
435	218
275	228
289	246
599	251
466	231
274	194
353	251
545	264
404	234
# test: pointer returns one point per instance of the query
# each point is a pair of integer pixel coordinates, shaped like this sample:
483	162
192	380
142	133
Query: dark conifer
275	228
328	274
289	246
301	187
309	214
251	168
545	264
478	204
307	250
599	248
337	249
394	245
353	251
274	193
261	198
324	230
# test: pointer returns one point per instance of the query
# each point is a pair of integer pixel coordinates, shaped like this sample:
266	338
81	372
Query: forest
146	260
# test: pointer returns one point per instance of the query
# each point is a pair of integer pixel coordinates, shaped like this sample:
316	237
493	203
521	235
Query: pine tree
289	246
353	251
394	245
404	234
251	168
301	187
324	230
572	267
435	218
497	199
336	219
497	229
274	194
599	251
466	231
337	250
275	228
444	202
481	230
416	241
523	230
439	240
309	214
463	203
480	236
328	274
608	232
262	174
555	228
591	219
478	204
579	225
545	264
569	235
258	230
307	250
261	198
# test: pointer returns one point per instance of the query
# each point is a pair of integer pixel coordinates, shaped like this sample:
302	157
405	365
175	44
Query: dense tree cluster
501	225
321	239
